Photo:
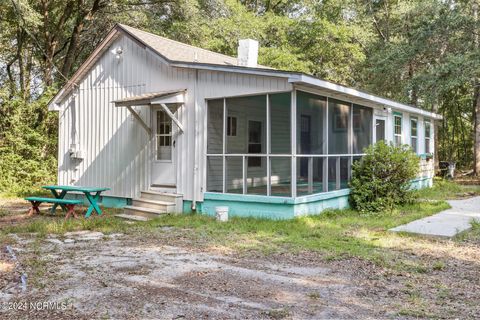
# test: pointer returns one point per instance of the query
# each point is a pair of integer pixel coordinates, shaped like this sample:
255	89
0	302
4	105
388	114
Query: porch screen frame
293	155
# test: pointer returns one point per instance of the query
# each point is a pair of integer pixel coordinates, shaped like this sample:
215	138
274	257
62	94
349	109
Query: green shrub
28	146
381	179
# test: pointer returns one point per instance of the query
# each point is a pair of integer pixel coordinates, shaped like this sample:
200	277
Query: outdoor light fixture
118	53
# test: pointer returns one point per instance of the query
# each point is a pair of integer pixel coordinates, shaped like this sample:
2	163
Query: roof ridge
175	41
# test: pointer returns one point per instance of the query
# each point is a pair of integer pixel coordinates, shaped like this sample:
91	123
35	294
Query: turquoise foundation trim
277	208
105	201
420	183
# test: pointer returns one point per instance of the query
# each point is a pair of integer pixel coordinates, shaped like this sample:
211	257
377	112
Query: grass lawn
409	276
336	233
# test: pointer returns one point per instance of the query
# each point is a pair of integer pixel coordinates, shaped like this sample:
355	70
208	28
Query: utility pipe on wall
195	142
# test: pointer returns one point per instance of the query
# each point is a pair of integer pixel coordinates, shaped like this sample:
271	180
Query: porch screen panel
338	126
362	128
310	123
234	174
251	115
310	175
280	123
344	172
281	180
215	127
214	174
332	173
256	177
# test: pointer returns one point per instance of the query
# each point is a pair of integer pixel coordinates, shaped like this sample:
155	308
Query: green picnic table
91	193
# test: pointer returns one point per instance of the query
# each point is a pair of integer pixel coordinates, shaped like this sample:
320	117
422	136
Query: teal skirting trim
423	182
274	207
425	156
187	206
105	201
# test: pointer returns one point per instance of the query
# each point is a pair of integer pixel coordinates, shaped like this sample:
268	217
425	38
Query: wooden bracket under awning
139	119
155	98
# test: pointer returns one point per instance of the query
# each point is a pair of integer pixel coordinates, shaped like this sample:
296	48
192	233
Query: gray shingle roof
177	51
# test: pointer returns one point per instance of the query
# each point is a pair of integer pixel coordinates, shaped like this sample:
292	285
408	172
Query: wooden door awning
161	98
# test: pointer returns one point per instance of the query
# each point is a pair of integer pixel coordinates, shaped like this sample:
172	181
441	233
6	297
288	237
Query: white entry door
163	164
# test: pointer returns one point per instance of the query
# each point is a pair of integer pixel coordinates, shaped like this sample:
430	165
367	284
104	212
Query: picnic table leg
34	207
93	203
71	211
58	196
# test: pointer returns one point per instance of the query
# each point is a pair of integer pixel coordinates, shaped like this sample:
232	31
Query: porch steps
131	217
144	212
152	204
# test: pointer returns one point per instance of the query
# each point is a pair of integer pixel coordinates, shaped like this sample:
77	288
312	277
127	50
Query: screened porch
284	144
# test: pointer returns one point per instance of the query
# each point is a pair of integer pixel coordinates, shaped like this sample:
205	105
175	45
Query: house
151	117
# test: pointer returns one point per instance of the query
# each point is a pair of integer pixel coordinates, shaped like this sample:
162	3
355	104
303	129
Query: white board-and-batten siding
117	150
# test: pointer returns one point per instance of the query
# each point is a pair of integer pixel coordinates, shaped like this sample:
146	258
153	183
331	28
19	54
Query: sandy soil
133	278
170	274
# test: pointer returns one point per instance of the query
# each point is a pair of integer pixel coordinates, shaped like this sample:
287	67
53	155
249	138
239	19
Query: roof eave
306	79
53	104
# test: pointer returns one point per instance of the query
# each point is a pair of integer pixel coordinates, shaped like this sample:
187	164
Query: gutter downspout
195	142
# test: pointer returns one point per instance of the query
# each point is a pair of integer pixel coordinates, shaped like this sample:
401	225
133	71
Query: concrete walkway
447	223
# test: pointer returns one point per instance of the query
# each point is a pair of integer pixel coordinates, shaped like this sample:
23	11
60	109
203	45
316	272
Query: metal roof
146	98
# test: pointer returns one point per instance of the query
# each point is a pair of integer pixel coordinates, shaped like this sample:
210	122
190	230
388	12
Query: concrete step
175	198
160	196
143	212
154	204
132	217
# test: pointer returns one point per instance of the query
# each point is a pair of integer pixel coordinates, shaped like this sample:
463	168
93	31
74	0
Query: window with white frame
231	126
397	130
414	134
428	133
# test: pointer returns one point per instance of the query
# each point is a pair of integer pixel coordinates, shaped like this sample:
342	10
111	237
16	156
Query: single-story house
147	115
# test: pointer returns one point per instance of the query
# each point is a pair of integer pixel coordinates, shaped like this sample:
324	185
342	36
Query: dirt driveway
163	271
125	277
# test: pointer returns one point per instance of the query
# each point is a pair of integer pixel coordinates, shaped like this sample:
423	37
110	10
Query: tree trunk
476	129
476	106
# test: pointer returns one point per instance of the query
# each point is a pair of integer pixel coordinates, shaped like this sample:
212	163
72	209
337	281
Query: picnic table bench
68	204
92	194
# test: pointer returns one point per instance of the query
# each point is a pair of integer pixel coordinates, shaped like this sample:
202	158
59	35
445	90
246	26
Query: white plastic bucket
221	213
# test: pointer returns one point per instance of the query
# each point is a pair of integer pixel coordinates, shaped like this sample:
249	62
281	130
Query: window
232	126
413	134
427	136
254	142
397	133
164	136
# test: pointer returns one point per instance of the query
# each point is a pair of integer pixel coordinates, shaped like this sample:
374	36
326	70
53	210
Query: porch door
379	129
163	164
